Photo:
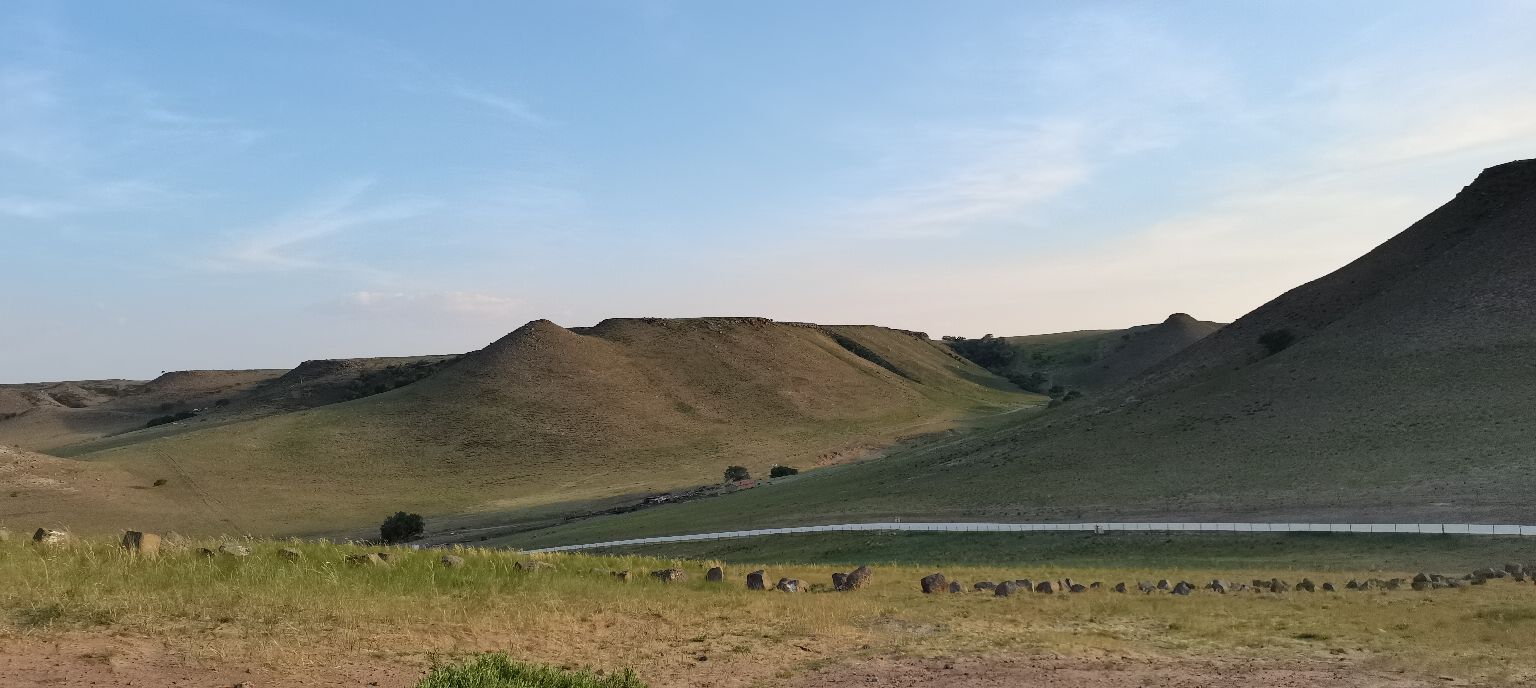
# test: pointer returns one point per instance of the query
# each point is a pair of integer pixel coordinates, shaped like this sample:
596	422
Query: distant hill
548	415
1401	387
1085	360
39	491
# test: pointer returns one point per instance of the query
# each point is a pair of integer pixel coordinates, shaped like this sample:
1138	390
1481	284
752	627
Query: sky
205	184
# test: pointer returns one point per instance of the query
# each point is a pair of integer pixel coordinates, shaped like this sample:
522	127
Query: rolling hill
1401	387
548	416
1092	360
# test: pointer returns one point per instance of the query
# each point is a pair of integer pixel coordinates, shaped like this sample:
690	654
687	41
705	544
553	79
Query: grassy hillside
548	416
1086	360
1405	395
44	491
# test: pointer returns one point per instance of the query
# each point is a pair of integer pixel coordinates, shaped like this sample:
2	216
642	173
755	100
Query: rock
234	549
839	581
143	544
50	538
857	578
1259	583
383	556
1044	587
715	575
1024	584
1306	585
1455	583
1119	587
1162	584
451	561
1239	587
987	585
1394	584
290	554
1425	584
1328	587
1218	586
755	581
670	575
1003	589
1077	587
788	585
1095	585
1422	577
622	576
1145	587
1277	585
1352	585
366	559
1182	588
533	566
206	553
934	583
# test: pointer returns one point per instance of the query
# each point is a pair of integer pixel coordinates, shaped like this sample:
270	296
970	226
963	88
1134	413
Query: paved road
1410	528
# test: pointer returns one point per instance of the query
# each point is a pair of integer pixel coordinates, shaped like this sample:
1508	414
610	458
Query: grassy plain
286	619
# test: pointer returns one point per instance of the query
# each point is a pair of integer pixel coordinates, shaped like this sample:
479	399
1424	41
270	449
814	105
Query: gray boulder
670	575
755	581
985	585
1119	587
858	578
451	561
715	575
934	584
839	581
1005	589
1044	587
788	585
1182	588
50	538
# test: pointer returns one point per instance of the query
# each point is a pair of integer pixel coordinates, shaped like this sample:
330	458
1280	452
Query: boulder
366	559
715	575
1119	587
755	581
1328	587
1306	585
1003	589
622	576
50	537
1182	588
1352	585
234	549
143	544
1044	587
1513	569
1277	585
533	566
451	561
988	585
1077	587
954	587
1096	585
1163	584
206	553
1218	586
934	583
1145	587
839	581
788	585
1259	583
857	578
1024	584
290	554
670	575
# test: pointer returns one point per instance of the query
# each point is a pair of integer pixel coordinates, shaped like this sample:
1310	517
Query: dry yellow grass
268	611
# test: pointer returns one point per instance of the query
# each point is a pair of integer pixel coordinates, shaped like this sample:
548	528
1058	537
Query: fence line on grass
1100	527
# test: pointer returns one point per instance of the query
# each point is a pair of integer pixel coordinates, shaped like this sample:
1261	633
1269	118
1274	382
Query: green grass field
293	616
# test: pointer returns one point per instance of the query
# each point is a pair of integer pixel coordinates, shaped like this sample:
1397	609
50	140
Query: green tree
737	473
781	471
402	527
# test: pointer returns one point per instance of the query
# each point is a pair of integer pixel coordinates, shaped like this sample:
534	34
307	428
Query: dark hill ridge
1086	360
548	415
1408	394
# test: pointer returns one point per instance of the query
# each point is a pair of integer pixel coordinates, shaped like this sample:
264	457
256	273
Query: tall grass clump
496	670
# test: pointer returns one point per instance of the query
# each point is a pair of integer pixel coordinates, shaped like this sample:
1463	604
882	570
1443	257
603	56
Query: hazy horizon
216	185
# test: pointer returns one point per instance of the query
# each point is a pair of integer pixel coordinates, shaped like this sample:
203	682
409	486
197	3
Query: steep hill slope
38	491
1407	392
547	415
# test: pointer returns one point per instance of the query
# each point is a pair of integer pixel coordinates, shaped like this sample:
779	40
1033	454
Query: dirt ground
81	660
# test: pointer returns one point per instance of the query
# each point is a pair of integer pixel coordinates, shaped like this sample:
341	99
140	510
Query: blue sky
218	185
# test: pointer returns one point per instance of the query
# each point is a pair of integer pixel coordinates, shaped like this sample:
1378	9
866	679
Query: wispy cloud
289	243
511	107
467	304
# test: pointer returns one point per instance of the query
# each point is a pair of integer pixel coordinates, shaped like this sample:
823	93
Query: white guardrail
1414	528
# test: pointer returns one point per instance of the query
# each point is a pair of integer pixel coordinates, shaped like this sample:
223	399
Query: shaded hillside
74	417
1085	360
547	414
1407	393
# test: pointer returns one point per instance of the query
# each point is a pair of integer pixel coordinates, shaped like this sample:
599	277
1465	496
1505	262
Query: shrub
160	482
402	527
736	473
496	670
172	418
1033	382
1276	341
781	471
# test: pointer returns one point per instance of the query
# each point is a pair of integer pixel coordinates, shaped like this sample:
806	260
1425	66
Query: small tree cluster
402	527
737	474
781	471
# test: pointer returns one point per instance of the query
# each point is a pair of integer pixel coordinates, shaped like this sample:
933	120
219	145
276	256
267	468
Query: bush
172	418
496	670
160	482
1277	340
737	473
402	527
781	471
1033	382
